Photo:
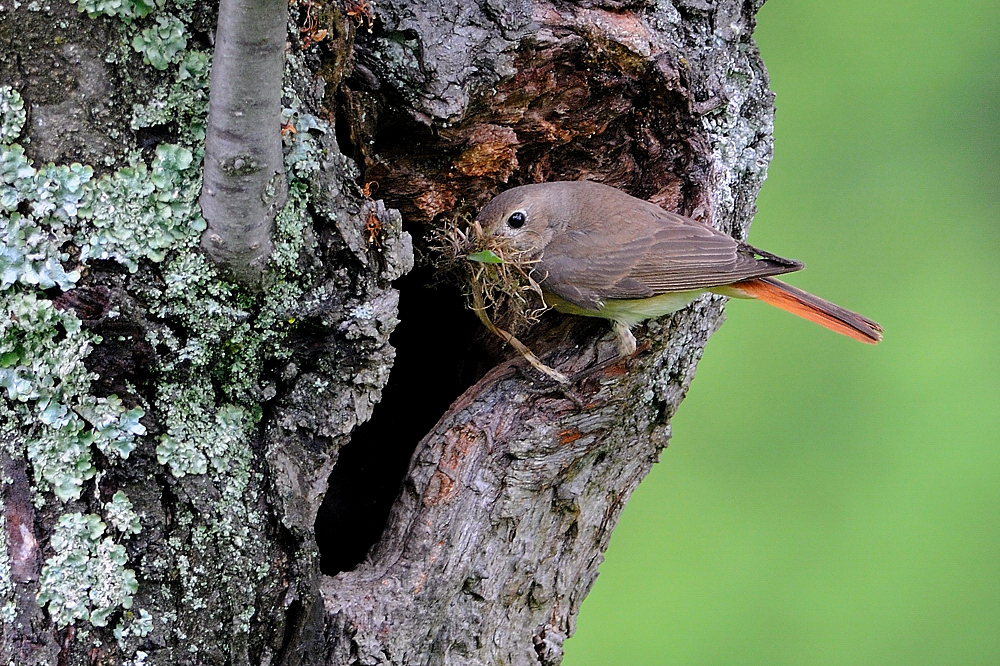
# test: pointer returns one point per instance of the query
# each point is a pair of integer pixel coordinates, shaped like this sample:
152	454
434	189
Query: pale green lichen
16	176
138	213
132	625
216	339
198	433
302	158
291	234
51	191
60	455
85	578
185	102
29	256
123	9
114	427
204	304
42	372
162	44
229	341
57	191
119	513
132	214
30	250
12	114
41	349
61	450
145	211
138	660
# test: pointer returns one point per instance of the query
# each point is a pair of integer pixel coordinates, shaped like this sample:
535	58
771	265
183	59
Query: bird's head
521	219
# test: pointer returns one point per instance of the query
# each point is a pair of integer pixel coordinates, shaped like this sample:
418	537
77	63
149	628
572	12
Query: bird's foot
626	341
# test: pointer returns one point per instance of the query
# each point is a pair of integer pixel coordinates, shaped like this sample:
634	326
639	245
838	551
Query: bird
596	251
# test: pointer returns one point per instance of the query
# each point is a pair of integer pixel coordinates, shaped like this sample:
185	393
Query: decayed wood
511	499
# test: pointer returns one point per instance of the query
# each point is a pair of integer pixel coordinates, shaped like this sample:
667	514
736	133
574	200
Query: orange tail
807	306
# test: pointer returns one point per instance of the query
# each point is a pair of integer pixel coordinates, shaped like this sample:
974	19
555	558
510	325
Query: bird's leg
626	341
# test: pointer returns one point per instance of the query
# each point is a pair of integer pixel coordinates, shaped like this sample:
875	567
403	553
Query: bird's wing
648	253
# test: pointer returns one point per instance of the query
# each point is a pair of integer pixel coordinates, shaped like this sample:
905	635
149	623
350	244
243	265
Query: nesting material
499	280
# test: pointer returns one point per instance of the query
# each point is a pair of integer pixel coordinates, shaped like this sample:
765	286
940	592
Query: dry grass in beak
499	280
502	273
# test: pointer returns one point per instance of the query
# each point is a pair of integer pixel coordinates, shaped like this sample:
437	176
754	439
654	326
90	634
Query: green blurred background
823	501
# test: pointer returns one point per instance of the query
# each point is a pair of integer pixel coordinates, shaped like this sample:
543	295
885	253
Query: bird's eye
517	220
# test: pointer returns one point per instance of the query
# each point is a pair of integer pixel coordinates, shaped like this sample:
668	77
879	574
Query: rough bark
245	184
510	499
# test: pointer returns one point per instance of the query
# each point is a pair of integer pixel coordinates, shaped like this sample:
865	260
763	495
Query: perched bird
598	252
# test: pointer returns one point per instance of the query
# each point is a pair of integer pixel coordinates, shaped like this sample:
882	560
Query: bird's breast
629	311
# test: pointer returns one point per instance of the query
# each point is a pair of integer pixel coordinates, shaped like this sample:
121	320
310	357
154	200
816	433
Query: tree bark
510	500
231	407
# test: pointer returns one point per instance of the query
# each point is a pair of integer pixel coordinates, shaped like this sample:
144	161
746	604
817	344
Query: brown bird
599	252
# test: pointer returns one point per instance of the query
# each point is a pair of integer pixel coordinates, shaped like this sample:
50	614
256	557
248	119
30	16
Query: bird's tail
807	306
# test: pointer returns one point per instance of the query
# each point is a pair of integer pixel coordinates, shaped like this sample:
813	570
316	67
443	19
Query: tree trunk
168	436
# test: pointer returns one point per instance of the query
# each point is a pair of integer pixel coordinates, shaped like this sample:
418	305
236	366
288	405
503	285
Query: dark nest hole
439	354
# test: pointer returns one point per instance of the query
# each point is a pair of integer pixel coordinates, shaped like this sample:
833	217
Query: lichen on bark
104	281
249	395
